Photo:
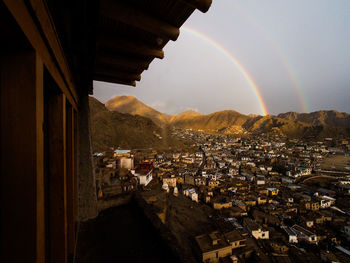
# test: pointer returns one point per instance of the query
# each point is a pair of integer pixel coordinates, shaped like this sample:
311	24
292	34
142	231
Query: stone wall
87	198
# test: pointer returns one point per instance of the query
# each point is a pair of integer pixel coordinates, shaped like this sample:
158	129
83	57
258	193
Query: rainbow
235	62
292	76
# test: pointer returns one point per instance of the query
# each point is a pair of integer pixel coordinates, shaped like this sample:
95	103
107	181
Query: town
261	198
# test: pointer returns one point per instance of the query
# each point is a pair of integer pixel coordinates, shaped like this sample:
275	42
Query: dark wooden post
56	176
70	179
22	157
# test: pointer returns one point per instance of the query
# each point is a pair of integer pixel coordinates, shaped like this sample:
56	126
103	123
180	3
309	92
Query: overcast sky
296	51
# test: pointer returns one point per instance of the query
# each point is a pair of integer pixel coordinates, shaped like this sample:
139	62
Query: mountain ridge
291	124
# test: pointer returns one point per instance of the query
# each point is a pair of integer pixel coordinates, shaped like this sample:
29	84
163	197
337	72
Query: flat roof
205	242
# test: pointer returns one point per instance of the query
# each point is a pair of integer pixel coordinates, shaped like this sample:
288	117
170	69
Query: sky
252	56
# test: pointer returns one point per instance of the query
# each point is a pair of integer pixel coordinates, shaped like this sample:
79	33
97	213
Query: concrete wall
211	255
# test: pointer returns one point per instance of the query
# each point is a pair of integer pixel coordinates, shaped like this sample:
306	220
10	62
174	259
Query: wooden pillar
22	157
75	169
70	134
56	175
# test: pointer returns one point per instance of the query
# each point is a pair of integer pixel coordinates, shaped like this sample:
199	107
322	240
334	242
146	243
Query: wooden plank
122	63
23	17
56	176
202	5
115	73
70	180
124	45
130	16
114	80
47	25
75	169
40	184
22	168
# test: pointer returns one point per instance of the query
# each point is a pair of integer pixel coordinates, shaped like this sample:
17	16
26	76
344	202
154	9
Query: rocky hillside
131	105
320	118
213	122
291	124
115	129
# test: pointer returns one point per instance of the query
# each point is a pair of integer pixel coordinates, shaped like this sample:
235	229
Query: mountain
217	121
319	118
234	123
189	114
290	124
131	105
115	129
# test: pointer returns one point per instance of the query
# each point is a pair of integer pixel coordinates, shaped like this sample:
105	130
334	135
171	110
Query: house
218	205
279	246
260	179
312	205
144	173
214	246
189	180
171	181
213	183
126	162
256	230
272	191
292	235
235	239
304	234
191	193
327	201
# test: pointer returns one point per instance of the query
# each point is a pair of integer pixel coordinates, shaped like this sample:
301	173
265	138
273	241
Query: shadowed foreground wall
87	199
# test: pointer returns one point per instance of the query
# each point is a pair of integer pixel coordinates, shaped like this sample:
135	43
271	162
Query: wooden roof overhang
131	33
107	40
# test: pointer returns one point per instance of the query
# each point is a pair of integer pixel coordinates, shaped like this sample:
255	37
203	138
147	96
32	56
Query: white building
256	230
191	193
292	235
126	162
260	234
305	234
144	176
326	201
165	187
171	181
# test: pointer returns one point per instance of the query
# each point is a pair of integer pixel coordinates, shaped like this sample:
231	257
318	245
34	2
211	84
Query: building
255	229
126	162
292	235
215	245
144	174
191	193
304	234
170	181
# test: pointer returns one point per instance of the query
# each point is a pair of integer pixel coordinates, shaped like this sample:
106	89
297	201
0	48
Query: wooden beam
116	10
22	157
114	80
56	176
48	28
115	73
202	5
128	46
122	63
22	15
